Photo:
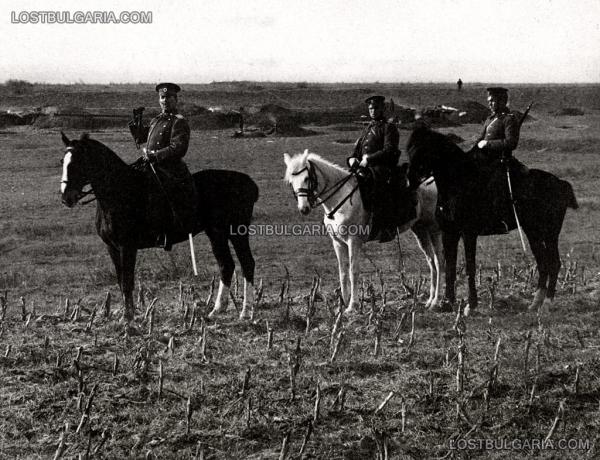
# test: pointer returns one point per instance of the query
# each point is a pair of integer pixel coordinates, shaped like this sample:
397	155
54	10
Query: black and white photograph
300	229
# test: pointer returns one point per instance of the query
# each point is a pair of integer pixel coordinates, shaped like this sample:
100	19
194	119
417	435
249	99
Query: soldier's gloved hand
353	163
482	144
363	162
149	157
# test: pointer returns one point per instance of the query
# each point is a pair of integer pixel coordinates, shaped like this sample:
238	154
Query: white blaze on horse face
65	177
301	181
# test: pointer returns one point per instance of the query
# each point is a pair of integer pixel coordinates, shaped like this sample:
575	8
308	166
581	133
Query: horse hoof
350	311
217	311
446	306
538	299
433	306
545	308
245	314
467	310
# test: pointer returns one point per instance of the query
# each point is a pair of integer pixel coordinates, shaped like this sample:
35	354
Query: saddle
484	205
387	196
171	205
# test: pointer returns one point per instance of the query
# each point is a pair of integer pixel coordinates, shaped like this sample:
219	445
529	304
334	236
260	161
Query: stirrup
163	241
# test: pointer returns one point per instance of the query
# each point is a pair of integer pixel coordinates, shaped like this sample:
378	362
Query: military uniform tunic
501	131
168	137
379	144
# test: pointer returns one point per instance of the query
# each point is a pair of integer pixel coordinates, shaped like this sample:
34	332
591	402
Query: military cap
375	100
167	88
497	91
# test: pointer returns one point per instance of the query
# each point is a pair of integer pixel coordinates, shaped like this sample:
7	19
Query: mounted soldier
493	152
171	208
375	158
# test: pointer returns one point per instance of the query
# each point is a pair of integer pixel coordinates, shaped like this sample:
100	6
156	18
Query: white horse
315	181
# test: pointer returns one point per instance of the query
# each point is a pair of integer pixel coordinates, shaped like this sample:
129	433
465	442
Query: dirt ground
51	254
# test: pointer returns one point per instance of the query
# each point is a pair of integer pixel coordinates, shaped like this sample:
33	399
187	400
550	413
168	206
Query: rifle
522	120
137	123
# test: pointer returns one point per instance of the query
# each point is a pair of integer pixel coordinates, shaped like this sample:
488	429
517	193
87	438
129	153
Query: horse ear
287	159
65	139
84	136
305	155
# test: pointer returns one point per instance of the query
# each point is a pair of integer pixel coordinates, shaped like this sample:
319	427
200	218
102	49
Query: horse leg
438	256
220	248
450	243
241	246
426	245
115	255
553	267
341	252
128	258
540	253
354	245
470	244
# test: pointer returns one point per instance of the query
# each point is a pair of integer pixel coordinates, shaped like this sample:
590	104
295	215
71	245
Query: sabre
190	236
510	192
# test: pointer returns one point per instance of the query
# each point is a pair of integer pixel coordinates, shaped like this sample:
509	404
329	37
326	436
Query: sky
502	41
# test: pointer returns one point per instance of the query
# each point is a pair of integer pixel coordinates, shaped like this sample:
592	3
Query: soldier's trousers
172	201
499	192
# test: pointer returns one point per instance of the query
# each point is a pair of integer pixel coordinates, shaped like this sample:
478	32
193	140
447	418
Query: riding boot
498	199
405	204
385	214
168	245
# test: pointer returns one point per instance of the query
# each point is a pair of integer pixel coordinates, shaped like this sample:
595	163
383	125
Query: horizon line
308	82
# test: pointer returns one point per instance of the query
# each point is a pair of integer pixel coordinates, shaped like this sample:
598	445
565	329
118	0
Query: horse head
300	175
422	155
74	176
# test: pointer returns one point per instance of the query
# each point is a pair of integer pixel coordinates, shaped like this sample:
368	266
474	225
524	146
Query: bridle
315	198
423	176
310	191
82	193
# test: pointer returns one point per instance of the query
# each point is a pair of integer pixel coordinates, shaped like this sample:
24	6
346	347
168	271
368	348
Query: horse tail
255	192
568	194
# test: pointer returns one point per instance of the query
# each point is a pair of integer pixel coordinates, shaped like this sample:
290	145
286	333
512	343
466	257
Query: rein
316	199
86	193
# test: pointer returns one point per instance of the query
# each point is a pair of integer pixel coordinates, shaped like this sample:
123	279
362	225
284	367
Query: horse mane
97	145
423	138
299	159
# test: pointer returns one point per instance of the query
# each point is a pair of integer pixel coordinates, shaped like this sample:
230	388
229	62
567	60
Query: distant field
50	253
548	98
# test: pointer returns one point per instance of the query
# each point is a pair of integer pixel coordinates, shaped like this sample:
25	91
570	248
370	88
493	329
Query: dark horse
225	204
462	183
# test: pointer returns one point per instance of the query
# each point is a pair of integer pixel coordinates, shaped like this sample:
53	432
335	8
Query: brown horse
462	183
225	202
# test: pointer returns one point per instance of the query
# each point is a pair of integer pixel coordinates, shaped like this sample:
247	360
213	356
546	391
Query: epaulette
179	116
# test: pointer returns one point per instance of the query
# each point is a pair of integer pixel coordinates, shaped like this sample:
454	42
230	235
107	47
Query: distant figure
459	84
242	120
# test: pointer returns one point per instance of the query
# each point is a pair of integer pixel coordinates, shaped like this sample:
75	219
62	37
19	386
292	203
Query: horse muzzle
70	197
